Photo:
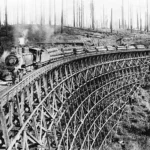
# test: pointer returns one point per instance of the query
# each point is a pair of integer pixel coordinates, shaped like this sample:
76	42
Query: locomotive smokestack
21	41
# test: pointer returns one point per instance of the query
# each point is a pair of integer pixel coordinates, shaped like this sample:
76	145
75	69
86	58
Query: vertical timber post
4	127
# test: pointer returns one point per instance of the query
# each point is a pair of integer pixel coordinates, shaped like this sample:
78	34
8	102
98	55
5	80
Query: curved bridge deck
75	103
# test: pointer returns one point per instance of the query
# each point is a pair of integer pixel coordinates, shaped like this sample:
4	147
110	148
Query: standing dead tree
6	17
0	19
41	13
131	27
77	15
137	21
35	12
50	13
54	15
62	15
122	14
17	14
82	13
111	22
147	17
74	17
92	15
140	22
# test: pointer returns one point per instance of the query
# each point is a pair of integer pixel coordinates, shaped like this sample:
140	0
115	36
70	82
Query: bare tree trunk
41	14
111	26
131	27
6	19
35	12
103	17
137	21
54	15
43	11
122	14
17	14
147	17
22	4
0	19
92	15
50	13
62	16
128	15
140	22
82	11
74	17
77	14
145	22
24	14
80	15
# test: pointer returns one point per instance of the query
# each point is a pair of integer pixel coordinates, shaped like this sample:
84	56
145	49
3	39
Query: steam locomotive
24	59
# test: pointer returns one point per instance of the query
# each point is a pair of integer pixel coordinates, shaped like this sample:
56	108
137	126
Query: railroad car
101	48
121	48
91	49
140	47
111	48
68	51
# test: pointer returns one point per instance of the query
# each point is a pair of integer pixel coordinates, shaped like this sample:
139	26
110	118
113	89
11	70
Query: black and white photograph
74	74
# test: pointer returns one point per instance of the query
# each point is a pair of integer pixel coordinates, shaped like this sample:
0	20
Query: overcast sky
31	10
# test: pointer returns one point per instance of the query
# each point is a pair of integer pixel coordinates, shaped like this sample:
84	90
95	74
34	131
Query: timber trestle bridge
72	104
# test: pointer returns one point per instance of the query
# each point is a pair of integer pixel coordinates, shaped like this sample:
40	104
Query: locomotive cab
36	55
